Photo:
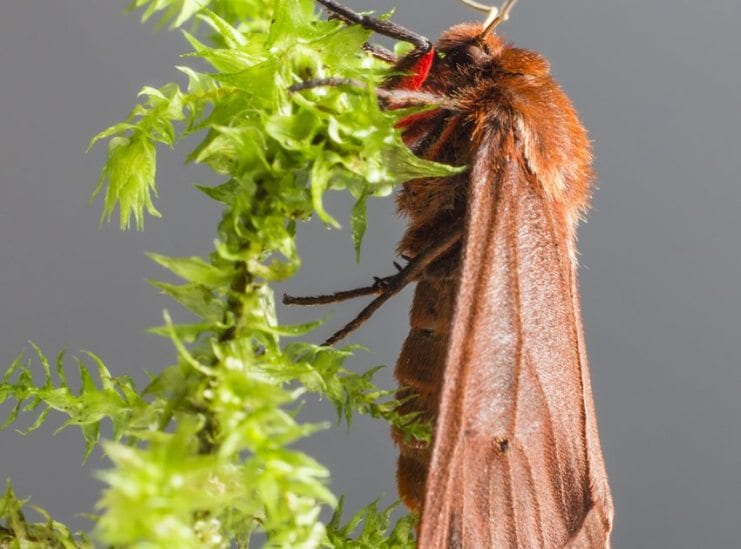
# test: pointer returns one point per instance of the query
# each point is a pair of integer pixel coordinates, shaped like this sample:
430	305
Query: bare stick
398	282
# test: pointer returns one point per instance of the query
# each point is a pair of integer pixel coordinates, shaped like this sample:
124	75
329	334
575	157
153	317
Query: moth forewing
514	367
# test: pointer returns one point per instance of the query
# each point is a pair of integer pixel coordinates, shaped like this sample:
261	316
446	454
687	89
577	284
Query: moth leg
332	298
381	26
393	285
379	52
378	286
382	282
391	99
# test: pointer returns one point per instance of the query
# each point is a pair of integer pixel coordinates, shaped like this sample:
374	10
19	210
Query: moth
495	356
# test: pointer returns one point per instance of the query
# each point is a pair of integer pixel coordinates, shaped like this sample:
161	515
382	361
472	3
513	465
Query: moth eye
466	55
458	56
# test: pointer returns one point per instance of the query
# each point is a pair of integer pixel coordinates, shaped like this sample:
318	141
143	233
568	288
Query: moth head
464	45
474	44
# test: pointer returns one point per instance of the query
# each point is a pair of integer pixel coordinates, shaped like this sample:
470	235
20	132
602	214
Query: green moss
203	457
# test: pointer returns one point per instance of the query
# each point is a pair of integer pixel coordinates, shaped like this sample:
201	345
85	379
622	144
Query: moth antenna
501	16
492	10
496	15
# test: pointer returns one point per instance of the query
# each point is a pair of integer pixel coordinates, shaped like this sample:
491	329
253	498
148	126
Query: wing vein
551	463
515	281
569	285
513	529
531	484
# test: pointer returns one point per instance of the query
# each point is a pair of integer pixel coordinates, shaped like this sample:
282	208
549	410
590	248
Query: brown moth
495	356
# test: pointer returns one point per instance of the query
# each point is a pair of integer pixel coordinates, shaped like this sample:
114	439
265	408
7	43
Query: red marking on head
420	70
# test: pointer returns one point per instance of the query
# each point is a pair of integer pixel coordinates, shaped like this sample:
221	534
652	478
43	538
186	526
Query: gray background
657	84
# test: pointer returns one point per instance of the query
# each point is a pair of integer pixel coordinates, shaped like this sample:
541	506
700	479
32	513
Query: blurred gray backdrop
657	84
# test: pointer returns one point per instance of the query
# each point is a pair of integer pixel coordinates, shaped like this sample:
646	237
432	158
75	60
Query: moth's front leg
381	26
390	99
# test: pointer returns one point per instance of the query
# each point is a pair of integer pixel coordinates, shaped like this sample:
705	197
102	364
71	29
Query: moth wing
516	460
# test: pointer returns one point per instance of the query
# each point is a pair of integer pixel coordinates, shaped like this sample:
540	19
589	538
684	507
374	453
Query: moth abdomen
419	370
